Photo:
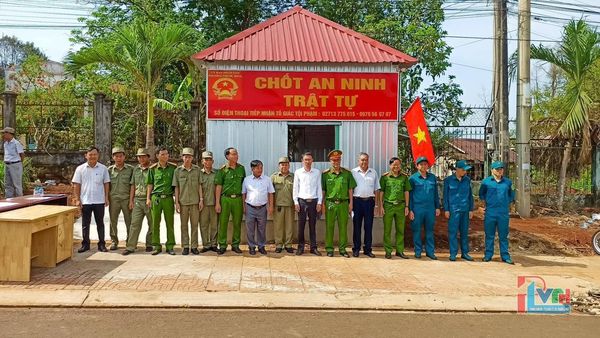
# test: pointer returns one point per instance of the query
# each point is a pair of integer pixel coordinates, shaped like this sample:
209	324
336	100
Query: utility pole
502	138
524	111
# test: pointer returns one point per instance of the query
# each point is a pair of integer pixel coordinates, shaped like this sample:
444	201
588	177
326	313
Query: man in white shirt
91	183
13	164
308	201
257	192
364	204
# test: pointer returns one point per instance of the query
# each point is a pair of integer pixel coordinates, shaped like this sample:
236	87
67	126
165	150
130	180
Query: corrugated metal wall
267	141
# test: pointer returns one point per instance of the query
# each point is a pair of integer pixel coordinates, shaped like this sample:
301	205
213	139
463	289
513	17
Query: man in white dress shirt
364	204
308	201
91	183
257	192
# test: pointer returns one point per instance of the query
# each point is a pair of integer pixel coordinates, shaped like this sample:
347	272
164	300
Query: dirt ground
548	233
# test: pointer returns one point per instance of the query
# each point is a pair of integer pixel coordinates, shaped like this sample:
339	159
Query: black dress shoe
370	254
156	252
102	249
114	247
315	252
195	251
252	251
329	254
203	250
289	250
214	248
355	254
388	255
221	251
236	250
278	250
171	252
300	251
126	252
344	254
401	255
185	252
83	249
262	251
149	249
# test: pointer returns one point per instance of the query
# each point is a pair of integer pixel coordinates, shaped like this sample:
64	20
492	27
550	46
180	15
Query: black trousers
86	219
307	209
363	211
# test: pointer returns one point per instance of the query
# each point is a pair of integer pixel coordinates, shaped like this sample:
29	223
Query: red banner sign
302	96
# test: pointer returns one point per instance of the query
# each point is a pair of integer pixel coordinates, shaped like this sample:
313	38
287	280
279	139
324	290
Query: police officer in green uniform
228	200
283	215
137	203
337	184
208	215
159	197
120	178
188	200
394	197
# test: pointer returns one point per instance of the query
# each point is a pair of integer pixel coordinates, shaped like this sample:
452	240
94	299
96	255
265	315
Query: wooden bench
39	236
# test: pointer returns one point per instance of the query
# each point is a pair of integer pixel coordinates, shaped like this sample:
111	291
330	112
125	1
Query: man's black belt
255	206
307	200
12	162
365	198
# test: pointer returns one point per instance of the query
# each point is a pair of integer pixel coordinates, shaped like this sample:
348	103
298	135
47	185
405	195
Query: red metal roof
298	35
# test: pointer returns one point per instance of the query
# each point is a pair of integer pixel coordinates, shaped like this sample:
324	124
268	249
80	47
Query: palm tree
575	56
143	50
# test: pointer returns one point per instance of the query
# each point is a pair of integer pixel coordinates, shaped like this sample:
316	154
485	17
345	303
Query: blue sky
466	22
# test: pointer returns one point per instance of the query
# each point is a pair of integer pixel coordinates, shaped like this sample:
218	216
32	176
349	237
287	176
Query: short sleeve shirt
394	187
92	181
12	149
188	182
161	179
231	179
284	186
138	180
120	182
336	186
207	180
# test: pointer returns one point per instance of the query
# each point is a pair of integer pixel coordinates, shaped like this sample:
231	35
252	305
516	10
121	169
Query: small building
299	82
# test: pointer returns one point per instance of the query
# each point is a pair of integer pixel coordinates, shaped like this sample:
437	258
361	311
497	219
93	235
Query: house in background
53	73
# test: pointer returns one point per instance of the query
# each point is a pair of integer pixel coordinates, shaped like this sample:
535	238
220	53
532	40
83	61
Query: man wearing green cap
228	200
424	205
120	179
458	209
497	194
283	215
208	215
137	203
188	200
337	184
159	197
394	196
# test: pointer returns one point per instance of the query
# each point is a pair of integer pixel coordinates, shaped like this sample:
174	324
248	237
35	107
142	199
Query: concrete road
68	322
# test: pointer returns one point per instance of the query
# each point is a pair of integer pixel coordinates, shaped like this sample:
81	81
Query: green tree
144	50
14	51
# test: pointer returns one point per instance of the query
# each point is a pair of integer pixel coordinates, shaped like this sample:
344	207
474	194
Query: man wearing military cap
394	195
159	197
137	203
188	200
283	215
458	209
120	187
228	200
497	194
424	205
208	216
338	184
13	164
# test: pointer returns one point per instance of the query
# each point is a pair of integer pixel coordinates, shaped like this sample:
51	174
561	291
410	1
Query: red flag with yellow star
420	140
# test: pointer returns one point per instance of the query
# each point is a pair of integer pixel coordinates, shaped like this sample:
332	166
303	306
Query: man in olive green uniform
394	195
188	200
137	203
228	200
120	178
283	215
159	197
338	184
208	215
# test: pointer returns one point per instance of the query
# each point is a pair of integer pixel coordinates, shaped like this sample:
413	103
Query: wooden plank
43	245
35	212
15	252
65	237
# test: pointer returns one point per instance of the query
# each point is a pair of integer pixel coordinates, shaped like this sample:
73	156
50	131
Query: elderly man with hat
458	209
120	186
497	194
337	184
189	200
424	205
13	164
137	203
283	215
208	215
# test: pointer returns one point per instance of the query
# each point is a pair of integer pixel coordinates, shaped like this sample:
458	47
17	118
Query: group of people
207	199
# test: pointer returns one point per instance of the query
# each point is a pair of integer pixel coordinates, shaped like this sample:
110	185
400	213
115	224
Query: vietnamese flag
420	140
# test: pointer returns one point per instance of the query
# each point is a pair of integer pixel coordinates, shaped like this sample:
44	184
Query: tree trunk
563	174
150	126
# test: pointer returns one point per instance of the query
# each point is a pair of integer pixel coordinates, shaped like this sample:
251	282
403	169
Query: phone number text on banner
302	96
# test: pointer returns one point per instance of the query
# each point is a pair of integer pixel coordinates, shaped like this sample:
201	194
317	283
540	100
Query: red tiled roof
298	35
